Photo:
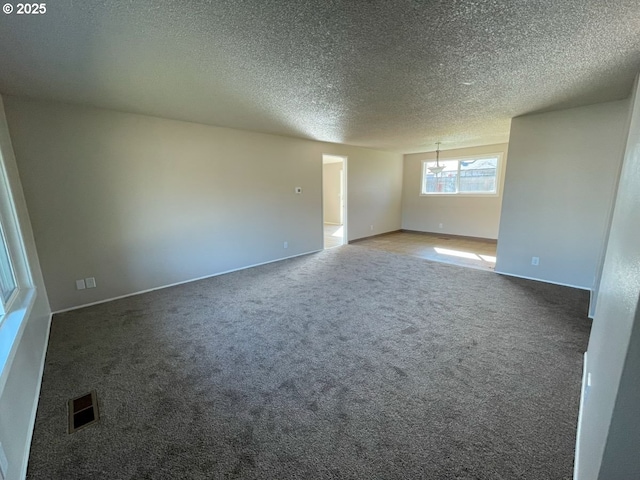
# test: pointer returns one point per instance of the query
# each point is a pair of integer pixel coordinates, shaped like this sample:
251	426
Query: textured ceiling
389	74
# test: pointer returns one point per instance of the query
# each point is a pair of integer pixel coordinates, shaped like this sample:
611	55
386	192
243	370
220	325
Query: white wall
560	184
331	192
374	191
19	396
609	431
140	202
472	216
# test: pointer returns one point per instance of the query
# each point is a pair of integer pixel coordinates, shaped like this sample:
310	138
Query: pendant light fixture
437	169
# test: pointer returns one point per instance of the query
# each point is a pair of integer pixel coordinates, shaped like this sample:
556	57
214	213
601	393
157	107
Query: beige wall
609	432
472	216
374	191
21	376
140	202
560	184
331	192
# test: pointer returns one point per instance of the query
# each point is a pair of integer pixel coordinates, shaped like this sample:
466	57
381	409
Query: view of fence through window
461	176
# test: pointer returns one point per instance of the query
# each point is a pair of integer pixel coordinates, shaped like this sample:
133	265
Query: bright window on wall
8	283
462	176
17	294
12	274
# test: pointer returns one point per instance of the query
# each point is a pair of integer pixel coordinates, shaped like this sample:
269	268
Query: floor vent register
83	411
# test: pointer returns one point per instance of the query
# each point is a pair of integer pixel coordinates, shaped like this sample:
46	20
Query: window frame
458	159
18	307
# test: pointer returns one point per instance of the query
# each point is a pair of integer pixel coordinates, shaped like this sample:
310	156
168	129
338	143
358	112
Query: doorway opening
334	200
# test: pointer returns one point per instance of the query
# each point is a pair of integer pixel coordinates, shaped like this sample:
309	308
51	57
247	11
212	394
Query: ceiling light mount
437	169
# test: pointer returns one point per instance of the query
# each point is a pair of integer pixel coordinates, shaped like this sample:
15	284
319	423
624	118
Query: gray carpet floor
347	364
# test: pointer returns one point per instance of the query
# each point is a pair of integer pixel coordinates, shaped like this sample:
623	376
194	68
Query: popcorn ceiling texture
397	75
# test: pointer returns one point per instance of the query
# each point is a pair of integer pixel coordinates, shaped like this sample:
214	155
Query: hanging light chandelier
437	169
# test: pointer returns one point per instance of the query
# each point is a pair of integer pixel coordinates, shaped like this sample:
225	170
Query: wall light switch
298	190
285	245
91	282
80	285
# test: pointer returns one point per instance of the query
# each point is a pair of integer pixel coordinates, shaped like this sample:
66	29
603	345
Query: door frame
344	193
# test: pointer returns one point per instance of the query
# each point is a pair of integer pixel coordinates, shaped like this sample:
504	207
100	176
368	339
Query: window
464	176
17	293
13	276
8	284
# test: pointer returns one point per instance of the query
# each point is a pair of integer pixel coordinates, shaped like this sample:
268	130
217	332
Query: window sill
11	330
465	195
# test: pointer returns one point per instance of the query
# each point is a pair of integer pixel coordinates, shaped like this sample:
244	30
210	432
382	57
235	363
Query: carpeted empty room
349	363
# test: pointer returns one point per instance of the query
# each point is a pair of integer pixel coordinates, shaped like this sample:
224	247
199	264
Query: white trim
579	430
345	201
592	304
6	305
183	282
11	330
345	197
332	223
543	281
454	194
34	409
16	249
322	164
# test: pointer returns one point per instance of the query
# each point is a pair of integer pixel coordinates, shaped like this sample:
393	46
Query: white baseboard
182	282
34	409
579	287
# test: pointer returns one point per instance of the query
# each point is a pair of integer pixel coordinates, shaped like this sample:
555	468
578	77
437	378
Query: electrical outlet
440	225
535	261
80	285
90	282
285	245
371	228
